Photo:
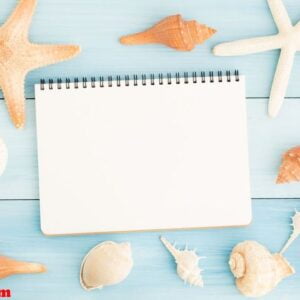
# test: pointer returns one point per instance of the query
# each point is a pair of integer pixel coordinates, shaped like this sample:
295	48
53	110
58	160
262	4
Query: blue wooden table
96	25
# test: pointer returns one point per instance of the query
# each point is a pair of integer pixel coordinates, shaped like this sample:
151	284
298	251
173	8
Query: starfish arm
280	15
281	80
43	55
248	46
18	23
12	85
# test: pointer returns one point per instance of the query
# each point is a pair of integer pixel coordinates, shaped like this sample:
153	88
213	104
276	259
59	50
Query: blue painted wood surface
96	26
154	275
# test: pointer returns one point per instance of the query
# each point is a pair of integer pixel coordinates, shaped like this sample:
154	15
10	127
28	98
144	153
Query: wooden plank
97	26
268	139
20	180
154	275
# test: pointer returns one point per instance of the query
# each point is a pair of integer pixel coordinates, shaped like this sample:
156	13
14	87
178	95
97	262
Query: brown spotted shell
173	32
290	167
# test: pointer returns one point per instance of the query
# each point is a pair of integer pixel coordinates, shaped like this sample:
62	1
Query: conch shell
3	156
106	264
10	267
173	32
290	168
187	264
257	271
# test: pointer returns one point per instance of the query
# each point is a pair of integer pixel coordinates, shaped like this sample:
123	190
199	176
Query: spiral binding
144	80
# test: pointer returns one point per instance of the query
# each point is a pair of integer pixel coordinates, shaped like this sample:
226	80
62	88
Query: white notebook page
130	158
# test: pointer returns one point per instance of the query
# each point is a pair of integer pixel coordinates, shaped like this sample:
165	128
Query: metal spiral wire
143	79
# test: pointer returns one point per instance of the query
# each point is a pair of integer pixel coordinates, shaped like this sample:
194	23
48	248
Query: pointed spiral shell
290	167
174	32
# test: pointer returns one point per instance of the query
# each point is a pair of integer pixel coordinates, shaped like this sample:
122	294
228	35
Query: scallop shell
12	267
187	264
173	32
290	168
3	156
257	271
106	264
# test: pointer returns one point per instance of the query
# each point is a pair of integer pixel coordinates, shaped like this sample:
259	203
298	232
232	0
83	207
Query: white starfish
287	39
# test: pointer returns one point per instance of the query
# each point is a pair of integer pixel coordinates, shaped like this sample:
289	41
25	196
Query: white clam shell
106	264
3	156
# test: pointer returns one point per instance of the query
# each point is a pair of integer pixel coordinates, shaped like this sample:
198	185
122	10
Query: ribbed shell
173	32
290	168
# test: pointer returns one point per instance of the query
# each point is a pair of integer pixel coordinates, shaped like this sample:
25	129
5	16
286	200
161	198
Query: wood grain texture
154	275
96	26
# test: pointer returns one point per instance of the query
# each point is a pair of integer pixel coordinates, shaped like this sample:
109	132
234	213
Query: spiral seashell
187	264
290	168
256	270
237	265
173	32
108	263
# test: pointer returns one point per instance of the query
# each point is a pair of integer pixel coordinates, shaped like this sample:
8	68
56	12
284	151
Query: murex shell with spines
173	32
187	264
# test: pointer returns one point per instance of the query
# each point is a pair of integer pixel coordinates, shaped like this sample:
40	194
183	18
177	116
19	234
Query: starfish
18	56
287	39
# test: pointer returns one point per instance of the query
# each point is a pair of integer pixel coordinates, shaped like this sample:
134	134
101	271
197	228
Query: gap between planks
262	198
1	98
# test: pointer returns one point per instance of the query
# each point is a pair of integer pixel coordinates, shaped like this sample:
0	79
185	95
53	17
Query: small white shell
106	264
187	264
3	156
295	233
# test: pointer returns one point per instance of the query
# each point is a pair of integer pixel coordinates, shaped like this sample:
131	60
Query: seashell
295	233
187	264
256	270
10	267
173	32
290	168
106	264
3	156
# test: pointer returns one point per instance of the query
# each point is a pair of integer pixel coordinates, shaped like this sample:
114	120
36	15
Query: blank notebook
142	153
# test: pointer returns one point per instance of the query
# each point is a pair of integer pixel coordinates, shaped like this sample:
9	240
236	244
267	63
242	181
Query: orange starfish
18	56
